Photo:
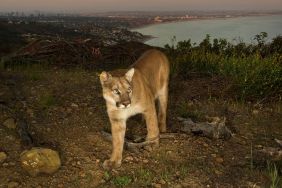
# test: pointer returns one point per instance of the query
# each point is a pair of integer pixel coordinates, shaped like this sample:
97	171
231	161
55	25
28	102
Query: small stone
219	160
162	182
178	186
169	152
145	161
3	157
213	155
157	185
10	123
61	185
12	164
255	112
128	158
40	160
74	105
13	184
82	174
217	172
258	146
5	164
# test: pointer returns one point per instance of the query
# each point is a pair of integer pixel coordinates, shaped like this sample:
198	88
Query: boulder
40	160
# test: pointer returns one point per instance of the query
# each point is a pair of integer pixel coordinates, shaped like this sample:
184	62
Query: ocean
233	29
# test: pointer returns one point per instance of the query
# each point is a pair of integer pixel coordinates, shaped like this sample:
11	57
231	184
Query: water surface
232	29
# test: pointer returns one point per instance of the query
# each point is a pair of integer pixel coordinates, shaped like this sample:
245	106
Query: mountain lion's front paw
108	164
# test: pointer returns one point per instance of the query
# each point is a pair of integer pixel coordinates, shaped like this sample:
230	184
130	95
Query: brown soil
66	112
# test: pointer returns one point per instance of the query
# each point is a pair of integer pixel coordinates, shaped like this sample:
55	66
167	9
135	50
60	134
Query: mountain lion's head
117	90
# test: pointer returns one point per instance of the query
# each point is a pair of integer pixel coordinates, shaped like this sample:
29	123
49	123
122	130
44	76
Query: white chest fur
125	113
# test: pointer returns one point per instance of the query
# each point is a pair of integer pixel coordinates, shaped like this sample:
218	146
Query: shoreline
150	37
198	19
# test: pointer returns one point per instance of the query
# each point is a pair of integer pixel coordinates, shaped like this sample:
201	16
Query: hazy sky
112	5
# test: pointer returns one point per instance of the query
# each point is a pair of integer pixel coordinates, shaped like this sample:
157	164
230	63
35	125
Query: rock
40	160
217	172
219	160
5	164
157	185
10	123
169	152
12	164
177	186
255	112
162	182
145	161
3	157
74	105
13	184
82	174
129	158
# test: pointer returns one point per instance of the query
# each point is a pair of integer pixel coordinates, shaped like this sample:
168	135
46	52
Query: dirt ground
66	112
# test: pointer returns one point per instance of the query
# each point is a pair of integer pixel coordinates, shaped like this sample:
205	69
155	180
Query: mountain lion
133	91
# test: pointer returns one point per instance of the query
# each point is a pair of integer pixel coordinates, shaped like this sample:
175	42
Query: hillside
52	103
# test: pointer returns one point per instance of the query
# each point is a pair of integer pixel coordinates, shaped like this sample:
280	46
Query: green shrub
256	70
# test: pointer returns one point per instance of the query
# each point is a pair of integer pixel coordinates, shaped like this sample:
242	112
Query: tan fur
134	91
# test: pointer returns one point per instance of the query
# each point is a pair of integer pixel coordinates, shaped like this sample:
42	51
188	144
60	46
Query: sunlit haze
132	5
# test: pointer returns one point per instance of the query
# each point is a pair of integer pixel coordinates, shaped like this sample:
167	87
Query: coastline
198	19
150	37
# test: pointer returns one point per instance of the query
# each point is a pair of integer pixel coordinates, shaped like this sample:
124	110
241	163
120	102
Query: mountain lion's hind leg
150	116
162	105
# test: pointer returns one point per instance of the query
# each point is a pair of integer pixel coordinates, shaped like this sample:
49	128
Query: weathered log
215	129
128	144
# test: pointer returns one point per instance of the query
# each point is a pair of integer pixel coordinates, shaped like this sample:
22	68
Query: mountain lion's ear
104	77
129	74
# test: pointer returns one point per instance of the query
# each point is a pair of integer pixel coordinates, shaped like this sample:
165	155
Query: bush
255	69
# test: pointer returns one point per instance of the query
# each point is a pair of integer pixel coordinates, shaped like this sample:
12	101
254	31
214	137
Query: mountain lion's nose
123	104
126	103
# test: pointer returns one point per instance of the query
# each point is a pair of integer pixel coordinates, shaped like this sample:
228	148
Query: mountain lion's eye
129	90
116	91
